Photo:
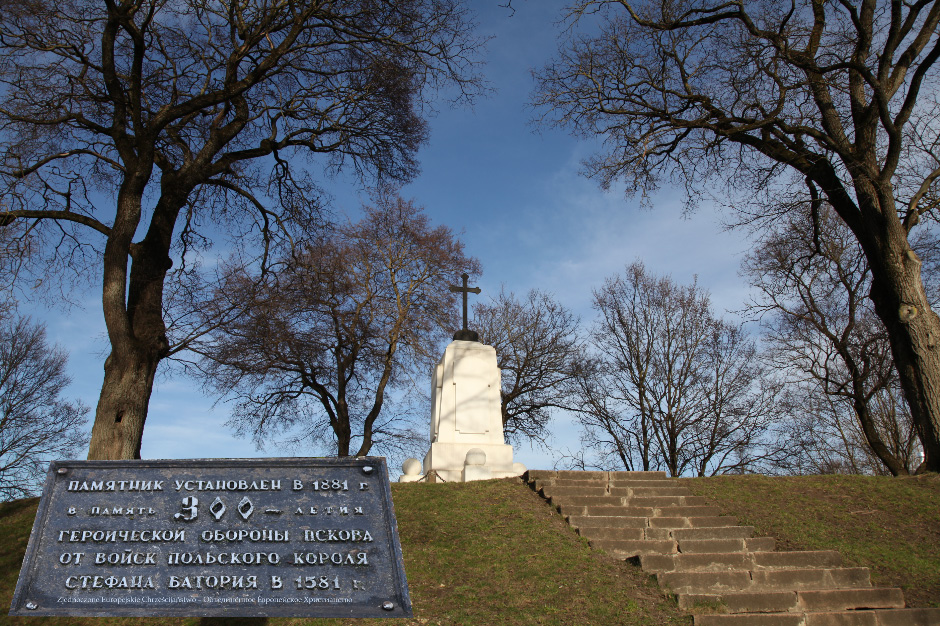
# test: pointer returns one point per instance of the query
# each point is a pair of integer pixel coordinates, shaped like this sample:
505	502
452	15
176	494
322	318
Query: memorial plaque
293	537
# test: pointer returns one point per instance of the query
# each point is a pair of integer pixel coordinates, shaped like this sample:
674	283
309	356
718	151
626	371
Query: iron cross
464	290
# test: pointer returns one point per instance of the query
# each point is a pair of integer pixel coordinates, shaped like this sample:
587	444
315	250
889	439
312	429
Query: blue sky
515	193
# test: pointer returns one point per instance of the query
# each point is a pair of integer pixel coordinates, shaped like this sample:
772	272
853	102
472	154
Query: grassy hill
493	552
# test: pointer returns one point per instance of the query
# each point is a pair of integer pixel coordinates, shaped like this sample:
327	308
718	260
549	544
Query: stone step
668	501
795	601
597	489
540	484
643	488
782	579
725	561
626	501
615	476
615	534
715	532
578	475
641	511
748	544
596	521
876	617
696	521
554	491
628	549
531	475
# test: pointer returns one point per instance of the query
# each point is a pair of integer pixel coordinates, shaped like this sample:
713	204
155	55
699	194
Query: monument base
450	459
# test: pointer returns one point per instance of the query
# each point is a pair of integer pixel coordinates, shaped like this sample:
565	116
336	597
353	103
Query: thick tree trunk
122	406
133	313
914	331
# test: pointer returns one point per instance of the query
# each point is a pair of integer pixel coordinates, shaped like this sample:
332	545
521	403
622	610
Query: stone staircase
717	569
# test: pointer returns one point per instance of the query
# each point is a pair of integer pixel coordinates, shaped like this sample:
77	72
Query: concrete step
553	491
722	561
615	476
876	617
588	500
777	579
540	484
795	601
751	544
659	502
598	489
628	549
614	534
638	483
576	475
531	475
598	521
643	488
641	511
696	521
667	501
709	533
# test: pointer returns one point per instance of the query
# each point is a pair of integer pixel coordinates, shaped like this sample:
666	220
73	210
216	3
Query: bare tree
347	321
537	350
820	433
36	424
813	280
132	128
671	387
839	97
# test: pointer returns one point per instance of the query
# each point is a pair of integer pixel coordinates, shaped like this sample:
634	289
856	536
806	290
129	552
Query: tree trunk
122	407
914	331
133	313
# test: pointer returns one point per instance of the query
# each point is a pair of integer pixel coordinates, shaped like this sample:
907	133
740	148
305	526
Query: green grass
490	552
890	525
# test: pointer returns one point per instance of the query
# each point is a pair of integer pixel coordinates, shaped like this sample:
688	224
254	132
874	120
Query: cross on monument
465	334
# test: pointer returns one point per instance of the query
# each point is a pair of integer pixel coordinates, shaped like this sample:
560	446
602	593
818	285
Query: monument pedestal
466	421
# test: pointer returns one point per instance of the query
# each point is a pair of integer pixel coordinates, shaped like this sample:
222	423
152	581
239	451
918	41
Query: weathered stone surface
909	617
766	619
704	582
713	532
617	534
710	521
668	501
809	558
628	549
845	599
708	561
842	618
586	521
742	602
753	544
643	488
811	578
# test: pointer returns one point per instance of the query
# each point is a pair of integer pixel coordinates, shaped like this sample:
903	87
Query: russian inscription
245	537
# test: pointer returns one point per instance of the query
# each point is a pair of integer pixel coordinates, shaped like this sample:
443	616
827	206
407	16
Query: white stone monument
467	441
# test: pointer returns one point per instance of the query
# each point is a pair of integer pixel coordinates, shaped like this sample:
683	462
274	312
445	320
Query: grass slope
891	525
490	552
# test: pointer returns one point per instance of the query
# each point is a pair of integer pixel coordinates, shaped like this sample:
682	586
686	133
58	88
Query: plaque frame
392	599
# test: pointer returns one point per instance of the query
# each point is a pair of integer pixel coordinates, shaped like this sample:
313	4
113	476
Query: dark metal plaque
295	537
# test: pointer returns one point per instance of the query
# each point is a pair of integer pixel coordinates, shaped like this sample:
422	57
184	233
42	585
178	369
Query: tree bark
135	325
914	331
